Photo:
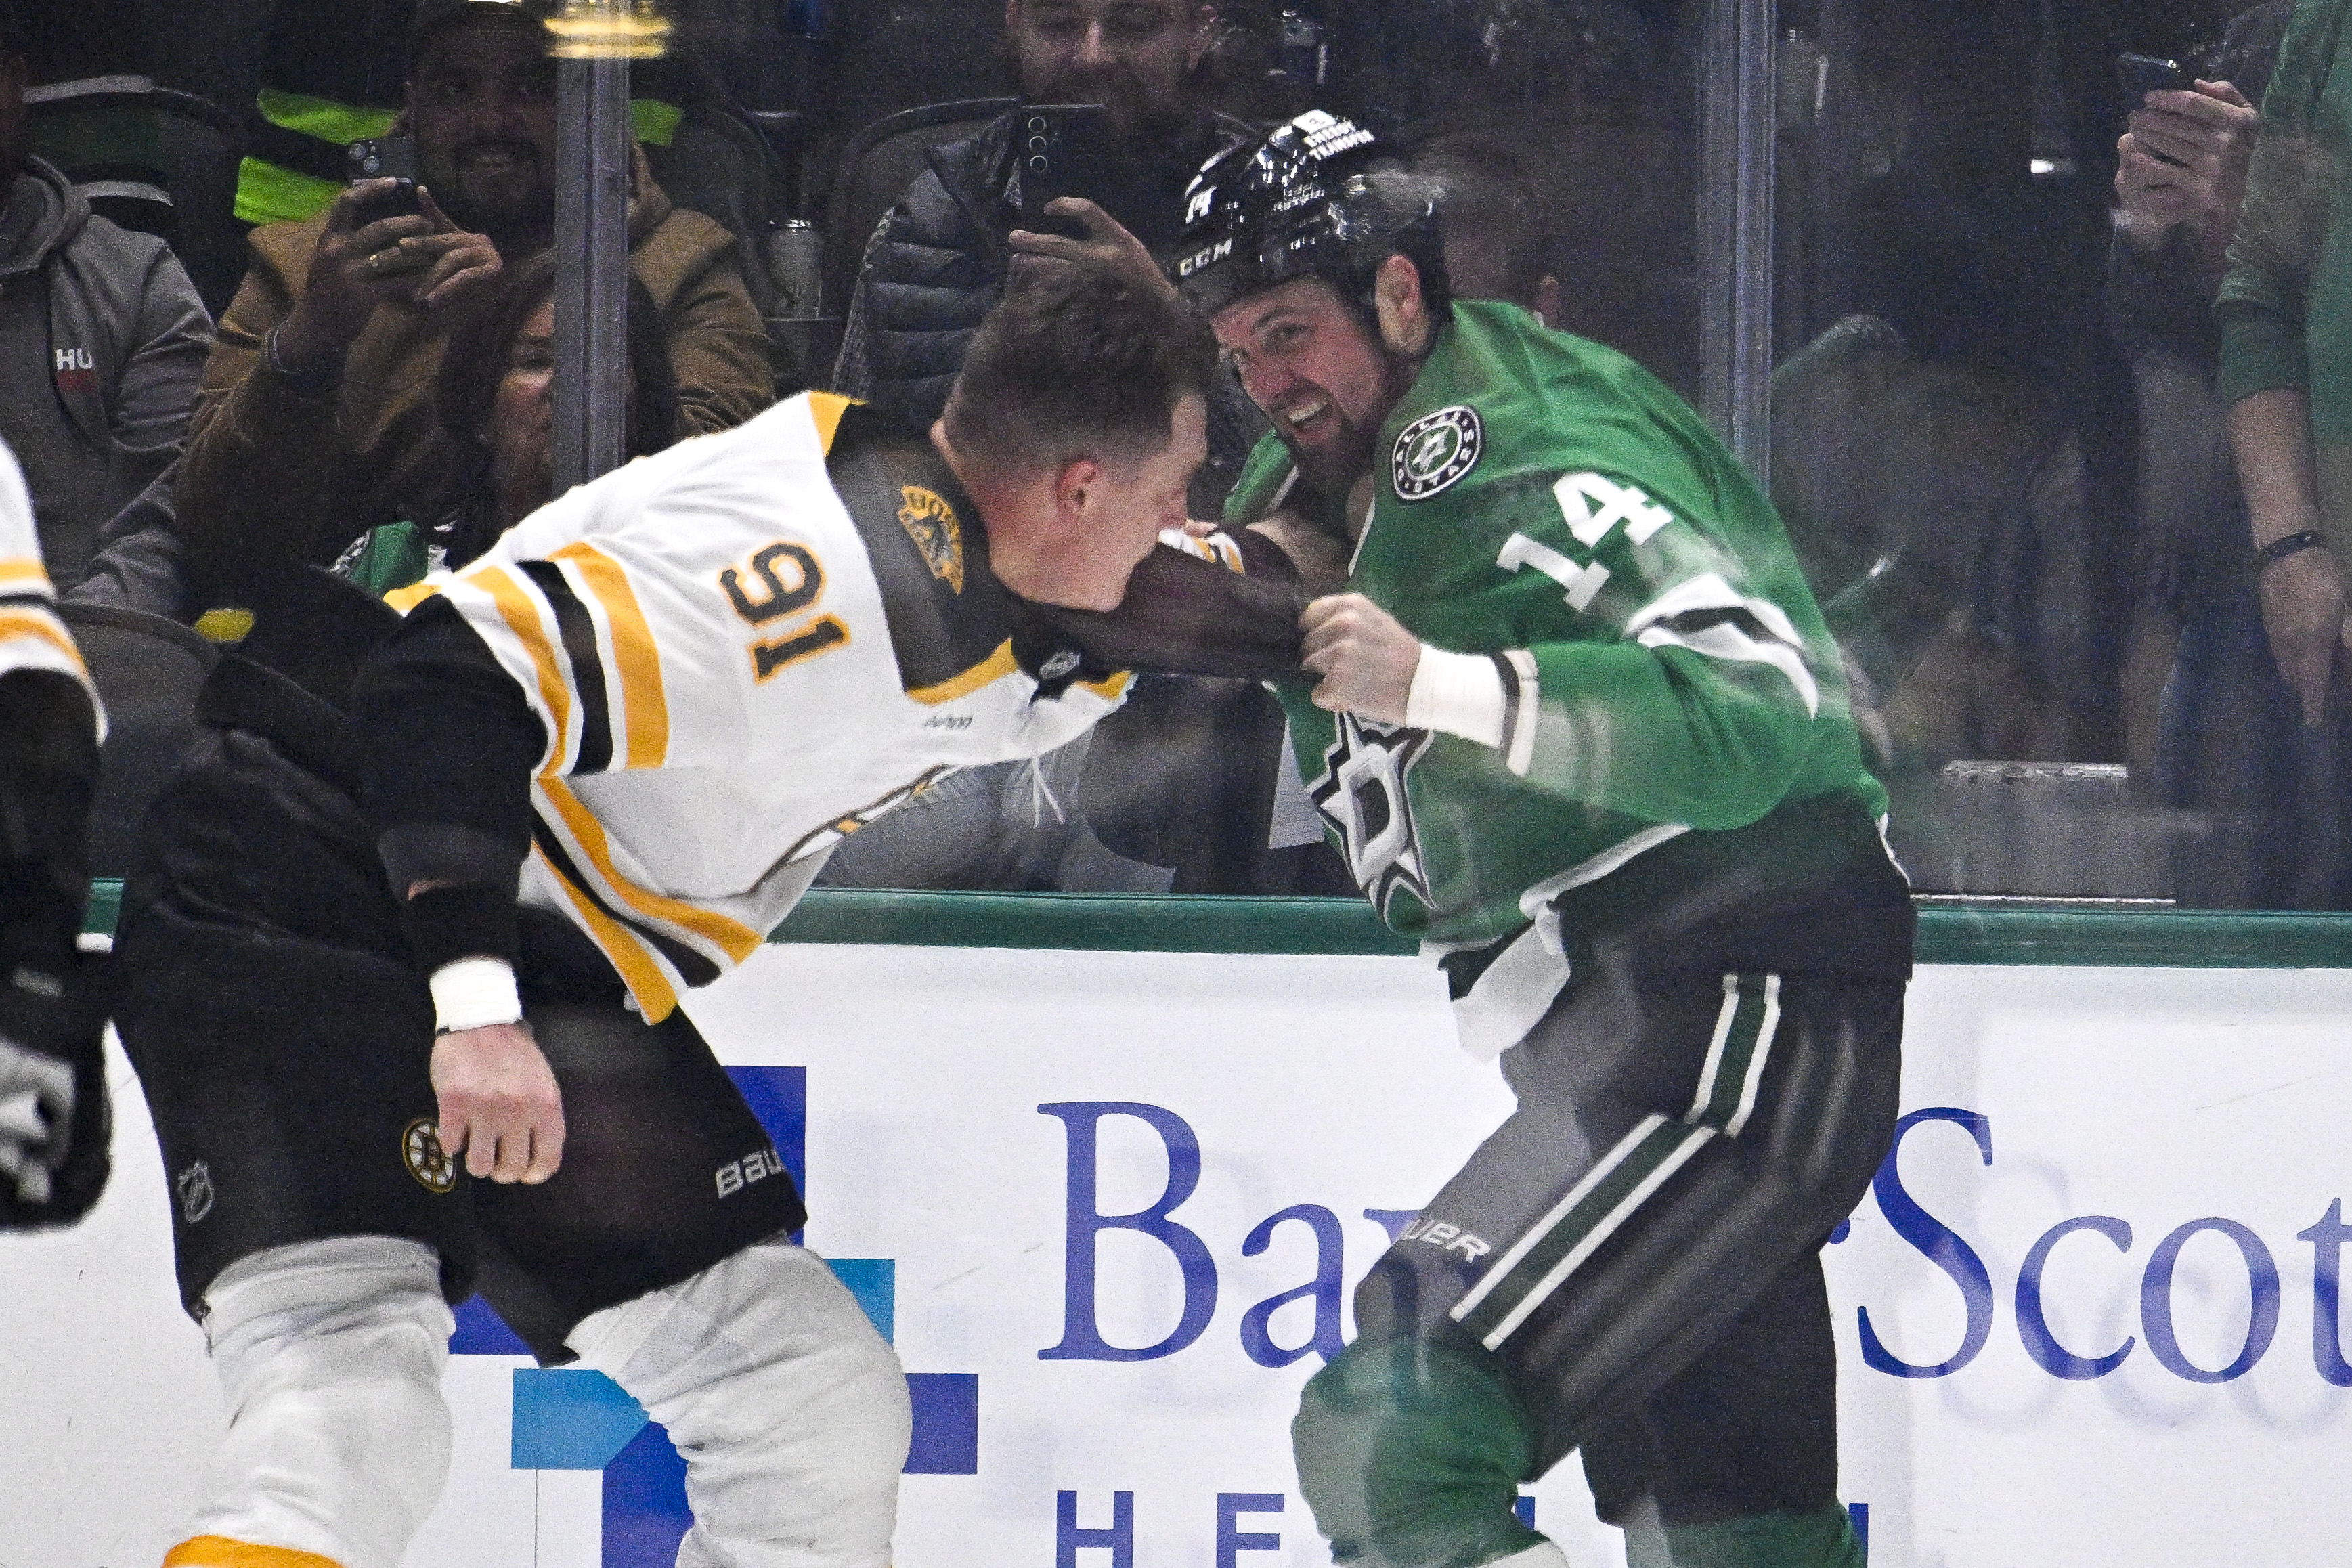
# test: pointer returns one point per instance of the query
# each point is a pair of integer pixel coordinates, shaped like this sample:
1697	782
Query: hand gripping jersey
1543	499
31	635
740	651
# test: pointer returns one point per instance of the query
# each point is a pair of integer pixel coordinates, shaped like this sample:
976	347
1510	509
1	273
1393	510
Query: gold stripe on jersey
221	1552
16	570
1109	686
738	940
644	704
41	627
825	409
408	599
994	667
640	972
520	610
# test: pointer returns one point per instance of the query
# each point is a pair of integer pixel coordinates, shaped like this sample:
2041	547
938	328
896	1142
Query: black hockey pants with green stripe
1628	1265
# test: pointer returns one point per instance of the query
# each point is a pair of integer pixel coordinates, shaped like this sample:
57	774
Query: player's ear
1077	484
1403	311
1548	300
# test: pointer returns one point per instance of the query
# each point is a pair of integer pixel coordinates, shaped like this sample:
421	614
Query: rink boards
1109	1203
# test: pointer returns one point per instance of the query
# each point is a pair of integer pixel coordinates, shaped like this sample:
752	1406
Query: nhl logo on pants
421	1152
194	1186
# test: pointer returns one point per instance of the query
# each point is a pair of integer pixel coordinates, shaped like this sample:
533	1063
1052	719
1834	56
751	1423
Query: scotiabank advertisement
1111	1206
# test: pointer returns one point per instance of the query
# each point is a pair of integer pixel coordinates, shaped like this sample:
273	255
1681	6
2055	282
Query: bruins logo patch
932	524
1435	450
421	1152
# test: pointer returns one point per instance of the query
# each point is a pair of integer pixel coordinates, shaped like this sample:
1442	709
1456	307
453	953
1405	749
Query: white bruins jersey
735	674
31	635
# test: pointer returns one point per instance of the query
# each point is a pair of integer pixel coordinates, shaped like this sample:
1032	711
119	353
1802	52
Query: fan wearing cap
314	420
1575	723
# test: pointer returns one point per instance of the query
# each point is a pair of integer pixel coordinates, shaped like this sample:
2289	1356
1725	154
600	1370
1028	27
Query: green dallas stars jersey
1675	709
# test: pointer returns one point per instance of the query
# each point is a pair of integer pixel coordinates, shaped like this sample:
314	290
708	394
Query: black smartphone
383	157
1062	149
2144	74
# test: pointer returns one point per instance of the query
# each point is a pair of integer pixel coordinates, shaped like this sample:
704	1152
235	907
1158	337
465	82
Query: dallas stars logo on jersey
1435	450
1361	792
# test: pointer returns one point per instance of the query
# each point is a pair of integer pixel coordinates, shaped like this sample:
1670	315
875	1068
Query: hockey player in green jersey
1580	728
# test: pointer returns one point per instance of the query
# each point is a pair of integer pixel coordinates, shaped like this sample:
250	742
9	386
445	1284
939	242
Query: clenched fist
1364	654
499	1102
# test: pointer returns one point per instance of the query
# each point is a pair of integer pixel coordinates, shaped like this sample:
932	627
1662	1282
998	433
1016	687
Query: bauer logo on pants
1435	450
421	1152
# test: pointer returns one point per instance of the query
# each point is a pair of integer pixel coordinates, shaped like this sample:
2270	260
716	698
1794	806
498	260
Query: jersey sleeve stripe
44	627
579	634
522	617
825	409
995	667
645	699
1522	691
1110	688
1727	643
656	997
20	570
1780	647
738	940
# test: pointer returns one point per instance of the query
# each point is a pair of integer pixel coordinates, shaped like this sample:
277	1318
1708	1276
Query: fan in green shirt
1580	728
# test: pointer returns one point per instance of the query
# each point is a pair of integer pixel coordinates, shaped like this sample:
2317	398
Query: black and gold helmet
1320	198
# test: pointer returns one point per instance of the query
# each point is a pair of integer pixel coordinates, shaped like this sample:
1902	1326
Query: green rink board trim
2163	939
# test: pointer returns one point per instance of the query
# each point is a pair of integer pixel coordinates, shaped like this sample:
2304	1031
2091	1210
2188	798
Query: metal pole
593	42
1737	129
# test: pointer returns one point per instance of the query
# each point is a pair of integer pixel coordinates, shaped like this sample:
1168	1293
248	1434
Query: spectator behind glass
315	413
2285	312
939	259
101	334
1495	243
2229	741
494	397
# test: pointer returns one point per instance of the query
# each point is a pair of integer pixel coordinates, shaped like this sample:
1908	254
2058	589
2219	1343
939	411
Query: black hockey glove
56	1118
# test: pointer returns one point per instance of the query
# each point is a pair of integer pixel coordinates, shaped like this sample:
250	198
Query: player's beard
1331	467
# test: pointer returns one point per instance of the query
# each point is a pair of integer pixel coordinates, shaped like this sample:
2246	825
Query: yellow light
609	30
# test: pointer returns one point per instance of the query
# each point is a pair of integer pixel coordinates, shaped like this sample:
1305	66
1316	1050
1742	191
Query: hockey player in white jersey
54	1118
421	911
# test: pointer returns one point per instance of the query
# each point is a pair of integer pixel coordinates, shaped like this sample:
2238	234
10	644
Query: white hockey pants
330	1353
790	1409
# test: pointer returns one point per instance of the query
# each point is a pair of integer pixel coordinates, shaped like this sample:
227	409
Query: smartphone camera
384	157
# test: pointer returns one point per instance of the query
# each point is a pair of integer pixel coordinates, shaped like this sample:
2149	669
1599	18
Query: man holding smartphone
940	258
314	421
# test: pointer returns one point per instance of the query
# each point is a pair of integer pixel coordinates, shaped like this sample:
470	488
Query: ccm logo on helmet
1198	259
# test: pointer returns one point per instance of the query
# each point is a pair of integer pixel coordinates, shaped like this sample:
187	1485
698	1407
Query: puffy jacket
937	261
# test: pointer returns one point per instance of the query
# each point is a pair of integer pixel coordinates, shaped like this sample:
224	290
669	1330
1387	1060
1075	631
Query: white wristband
1460	693
473	993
